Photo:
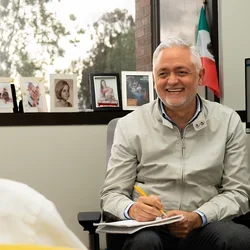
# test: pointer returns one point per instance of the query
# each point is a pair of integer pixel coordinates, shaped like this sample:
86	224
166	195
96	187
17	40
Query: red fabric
210	78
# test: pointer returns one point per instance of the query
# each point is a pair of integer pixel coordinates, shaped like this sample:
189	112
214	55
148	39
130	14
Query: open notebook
131	226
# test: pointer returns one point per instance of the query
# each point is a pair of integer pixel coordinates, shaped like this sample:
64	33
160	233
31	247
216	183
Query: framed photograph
63	93
137	89
33	94
106	91
6	97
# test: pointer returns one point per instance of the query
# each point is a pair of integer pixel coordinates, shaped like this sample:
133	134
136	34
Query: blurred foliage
113	50
26	26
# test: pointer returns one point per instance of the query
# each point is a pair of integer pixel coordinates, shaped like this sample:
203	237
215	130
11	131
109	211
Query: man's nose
172	78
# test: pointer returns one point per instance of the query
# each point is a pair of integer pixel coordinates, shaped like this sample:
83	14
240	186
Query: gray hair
178	42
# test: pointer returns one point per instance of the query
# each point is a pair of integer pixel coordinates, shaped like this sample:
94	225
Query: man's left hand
181	229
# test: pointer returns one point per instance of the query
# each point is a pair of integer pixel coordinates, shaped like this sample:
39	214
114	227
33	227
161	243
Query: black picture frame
13	91
106	91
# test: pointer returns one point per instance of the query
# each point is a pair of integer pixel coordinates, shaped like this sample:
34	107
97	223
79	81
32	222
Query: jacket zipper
182	163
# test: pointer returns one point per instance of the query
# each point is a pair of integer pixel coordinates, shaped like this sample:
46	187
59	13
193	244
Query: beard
185	101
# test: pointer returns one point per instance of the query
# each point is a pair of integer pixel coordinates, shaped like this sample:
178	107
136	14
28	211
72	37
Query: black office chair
87	219
116	241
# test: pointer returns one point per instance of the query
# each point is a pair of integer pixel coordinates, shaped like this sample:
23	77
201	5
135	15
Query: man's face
33	92
37	93
176	78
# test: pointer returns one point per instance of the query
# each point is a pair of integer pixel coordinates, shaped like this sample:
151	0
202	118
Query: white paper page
133	223
132	229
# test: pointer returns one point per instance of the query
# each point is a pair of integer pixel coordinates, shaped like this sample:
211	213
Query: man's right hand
146	208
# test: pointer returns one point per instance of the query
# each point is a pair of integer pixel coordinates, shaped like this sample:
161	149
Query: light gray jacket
206	168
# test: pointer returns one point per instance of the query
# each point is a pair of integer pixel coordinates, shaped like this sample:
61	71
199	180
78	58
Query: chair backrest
110	136
114	241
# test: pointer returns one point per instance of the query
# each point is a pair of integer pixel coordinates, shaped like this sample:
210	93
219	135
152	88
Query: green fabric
203	25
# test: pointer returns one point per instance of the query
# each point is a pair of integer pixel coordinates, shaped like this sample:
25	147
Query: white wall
234	47
65	163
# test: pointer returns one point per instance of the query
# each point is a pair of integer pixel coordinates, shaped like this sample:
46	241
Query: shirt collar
198	110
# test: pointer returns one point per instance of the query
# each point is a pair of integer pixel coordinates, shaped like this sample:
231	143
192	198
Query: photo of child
6	100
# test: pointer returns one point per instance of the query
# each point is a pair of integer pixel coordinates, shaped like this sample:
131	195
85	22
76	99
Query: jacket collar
198	121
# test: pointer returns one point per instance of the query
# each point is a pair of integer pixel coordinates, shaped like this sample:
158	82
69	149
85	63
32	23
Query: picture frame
33	94
105	91
63	93
6	96
137	89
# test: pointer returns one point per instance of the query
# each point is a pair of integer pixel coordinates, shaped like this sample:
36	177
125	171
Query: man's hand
146	208
182	228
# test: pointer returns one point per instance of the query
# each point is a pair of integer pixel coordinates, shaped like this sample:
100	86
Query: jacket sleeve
233	197
121	173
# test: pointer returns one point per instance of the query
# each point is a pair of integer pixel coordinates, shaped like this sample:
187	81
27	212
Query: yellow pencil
142	193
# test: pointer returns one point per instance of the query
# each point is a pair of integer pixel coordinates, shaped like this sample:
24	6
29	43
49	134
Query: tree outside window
42	37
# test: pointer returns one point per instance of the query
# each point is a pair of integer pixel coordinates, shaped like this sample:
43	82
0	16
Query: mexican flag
203	43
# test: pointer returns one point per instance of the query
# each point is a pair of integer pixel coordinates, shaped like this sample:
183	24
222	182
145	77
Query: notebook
132	226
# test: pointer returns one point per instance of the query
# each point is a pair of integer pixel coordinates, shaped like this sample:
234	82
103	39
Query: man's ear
201	76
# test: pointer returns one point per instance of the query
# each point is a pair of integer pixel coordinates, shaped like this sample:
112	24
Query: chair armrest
87	219
243	220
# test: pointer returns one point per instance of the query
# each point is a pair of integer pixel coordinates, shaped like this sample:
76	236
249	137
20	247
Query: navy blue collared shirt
198	110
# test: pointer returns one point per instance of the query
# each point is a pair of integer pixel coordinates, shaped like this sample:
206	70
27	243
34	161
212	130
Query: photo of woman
106	92
62	92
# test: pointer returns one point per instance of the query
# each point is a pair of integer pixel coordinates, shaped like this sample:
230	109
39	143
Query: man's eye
182	73
163	74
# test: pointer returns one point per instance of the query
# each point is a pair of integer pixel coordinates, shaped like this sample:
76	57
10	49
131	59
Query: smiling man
177	74
188	154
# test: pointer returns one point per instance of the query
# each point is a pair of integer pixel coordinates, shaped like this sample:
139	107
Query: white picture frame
33	94
6	98
68	102
137	89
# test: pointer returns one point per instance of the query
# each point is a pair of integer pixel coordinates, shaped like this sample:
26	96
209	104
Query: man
188	154
34	95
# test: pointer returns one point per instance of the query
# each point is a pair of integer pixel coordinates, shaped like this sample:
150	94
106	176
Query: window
179	18
41	37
